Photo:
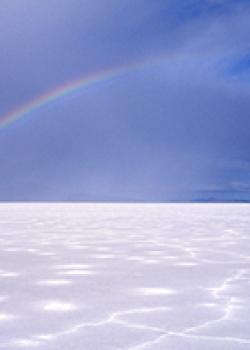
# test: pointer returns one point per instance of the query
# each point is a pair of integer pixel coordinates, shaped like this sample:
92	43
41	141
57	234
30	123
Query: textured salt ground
125	276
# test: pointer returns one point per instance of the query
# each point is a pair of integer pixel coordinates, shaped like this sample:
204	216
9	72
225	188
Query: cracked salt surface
125	276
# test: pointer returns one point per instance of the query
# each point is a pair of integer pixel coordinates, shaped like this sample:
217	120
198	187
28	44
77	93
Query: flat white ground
125	276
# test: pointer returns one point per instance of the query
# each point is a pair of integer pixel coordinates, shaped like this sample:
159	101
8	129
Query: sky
174	124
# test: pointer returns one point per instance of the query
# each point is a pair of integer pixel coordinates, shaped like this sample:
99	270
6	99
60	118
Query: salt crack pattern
124	276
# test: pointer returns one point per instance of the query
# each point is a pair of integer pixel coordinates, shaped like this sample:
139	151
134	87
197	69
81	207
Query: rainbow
61	91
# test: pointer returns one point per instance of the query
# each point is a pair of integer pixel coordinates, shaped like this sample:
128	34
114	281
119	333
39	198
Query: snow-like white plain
125	276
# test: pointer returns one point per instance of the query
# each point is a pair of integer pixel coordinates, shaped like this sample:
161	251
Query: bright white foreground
125	276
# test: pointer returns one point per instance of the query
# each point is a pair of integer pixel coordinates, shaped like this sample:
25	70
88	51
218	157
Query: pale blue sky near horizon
177	128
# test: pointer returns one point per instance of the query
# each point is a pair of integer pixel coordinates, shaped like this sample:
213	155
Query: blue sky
177	128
